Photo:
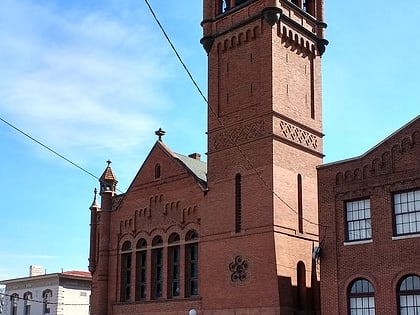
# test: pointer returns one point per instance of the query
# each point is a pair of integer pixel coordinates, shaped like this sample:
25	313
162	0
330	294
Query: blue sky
94	79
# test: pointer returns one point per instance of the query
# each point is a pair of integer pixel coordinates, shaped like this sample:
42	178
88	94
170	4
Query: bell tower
264	143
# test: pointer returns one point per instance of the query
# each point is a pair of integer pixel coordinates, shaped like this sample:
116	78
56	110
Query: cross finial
160	133
109	162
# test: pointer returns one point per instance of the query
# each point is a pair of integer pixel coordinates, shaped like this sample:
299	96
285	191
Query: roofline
47	276
359	157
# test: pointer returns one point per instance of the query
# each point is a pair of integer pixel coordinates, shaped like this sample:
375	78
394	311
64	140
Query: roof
197	167
75	274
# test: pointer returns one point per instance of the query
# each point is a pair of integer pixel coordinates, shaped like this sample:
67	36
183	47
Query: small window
157	171
409	295
407	212
14	299
358	219
27	298
361	298
191	263
46	300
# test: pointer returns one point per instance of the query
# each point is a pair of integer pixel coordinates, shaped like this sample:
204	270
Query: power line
223	125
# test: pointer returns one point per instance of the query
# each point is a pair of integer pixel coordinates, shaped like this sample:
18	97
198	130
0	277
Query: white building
65	293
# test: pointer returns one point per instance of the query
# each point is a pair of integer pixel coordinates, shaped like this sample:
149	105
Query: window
409	294
46	300
126	272
407	212
174	265
300	206
14	299
157	171
27	297
191	241
301	285
238	203
358	220
141	282
157	267
361	298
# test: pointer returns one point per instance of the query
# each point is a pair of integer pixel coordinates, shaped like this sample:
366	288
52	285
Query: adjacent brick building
234	235
369	212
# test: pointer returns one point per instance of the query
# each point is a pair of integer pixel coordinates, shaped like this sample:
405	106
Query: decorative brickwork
298	135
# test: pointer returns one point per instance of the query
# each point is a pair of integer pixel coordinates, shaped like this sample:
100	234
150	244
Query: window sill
358	242
403	237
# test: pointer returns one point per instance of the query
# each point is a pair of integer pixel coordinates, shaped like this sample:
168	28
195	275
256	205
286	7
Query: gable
163	166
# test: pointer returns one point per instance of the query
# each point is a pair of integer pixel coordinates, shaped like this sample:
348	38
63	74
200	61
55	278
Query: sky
93	80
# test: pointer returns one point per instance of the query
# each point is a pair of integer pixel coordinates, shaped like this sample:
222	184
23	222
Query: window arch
157	171
191	247
46	300
361	298
27	297
157	267
301	285
125	293
409	295
141	277
14	299
174	265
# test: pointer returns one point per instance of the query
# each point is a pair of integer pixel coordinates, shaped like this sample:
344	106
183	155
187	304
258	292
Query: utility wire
51	150
222	124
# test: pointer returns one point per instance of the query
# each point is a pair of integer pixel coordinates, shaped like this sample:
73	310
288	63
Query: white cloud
79	79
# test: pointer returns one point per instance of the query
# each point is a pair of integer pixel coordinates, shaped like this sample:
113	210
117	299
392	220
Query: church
238	234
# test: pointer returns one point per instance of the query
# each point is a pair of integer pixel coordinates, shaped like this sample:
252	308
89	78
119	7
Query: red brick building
369	212
235	235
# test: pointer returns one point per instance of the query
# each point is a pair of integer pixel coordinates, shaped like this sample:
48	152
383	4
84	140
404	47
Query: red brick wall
390	167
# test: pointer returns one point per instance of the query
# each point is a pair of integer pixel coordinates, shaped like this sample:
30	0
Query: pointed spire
108	181
94	205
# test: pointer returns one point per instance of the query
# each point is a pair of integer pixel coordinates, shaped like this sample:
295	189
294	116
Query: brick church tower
259	226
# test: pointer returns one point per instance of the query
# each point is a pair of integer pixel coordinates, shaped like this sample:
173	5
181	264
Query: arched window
191	247
14	299
361	298
157	171
238	203
157	267
125	293
300	206
141	282
409	294
301	285
27	297
46	300
174	266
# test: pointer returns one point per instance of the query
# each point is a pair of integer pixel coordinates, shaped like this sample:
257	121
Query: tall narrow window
238	203
126	271
407	212
157	171
191	246
27	297
409	294
14	298
312	78
300	204
141	278
301	285
358	220
46	301
157	267
361	298
174	265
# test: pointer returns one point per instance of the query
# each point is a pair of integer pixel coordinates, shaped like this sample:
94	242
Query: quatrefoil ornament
238	267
